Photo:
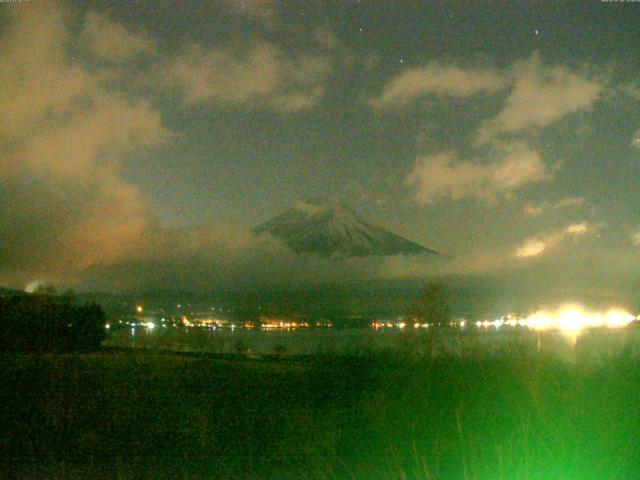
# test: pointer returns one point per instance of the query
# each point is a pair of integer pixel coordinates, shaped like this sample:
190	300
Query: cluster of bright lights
379	324
290	324
285	325
570	319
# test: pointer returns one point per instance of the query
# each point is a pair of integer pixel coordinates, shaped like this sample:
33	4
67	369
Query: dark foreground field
128	415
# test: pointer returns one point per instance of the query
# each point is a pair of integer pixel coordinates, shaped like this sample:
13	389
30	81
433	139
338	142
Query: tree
432	305
45	289
47	323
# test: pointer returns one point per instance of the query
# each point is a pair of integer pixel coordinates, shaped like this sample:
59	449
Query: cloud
445	176
438	79
260	74
537	246
577	229
533	248
111	41
540	96
34	74
296	101
64	203
535	210
570	202
70	216
228	256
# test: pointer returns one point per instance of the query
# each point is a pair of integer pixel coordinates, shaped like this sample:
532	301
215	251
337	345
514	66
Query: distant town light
569	319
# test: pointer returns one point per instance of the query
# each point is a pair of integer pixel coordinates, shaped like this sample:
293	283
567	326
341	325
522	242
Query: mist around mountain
322	258
332	229
469	296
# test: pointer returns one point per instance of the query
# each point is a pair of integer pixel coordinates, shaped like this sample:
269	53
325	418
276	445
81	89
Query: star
536	32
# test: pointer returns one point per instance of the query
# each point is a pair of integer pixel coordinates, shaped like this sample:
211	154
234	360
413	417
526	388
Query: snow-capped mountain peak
330	228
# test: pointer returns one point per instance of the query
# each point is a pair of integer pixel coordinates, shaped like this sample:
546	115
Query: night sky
141	141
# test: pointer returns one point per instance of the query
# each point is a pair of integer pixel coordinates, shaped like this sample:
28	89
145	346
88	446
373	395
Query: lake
595	343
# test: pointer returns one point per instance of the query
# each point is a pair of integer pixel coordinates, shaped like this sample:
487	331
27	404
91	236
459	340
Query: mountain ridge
332	229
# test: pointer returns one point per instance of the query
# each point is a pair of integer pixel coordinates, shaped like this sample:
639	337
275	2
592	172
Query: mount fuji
332	229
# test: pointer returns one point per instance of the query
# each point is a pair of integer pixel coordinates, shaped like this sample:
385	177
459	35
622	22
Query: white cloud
260	74
224	256
540	96
111	41
438	79
34	74
537	246
64	204
519	165
577	229
533	248
445	176
535	210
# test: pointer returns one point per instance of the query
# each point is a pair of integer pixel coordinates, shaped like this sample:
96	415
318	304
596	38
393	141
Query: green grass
368	416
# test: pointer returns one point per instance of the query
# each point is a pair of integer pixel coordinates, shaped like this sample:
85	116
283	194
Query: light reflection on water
593	343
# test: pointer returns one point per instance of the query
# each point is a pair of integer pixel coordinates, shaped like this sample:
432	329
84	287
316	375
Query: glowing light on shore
569	319
572	319
618	318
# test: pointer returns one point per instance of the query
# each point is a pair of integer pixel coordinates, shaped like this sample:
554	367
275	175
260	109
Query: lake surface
593	344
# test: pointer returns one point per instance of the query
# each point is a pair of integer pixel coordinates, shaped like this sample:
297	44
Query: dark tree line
48	323
432	305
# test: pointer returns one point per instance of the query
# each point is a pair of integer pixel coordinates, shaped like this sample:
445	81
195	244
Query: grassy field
369	416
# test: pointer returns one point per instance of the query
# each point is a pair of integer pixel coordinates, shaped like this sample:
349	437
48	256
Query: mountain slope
332	229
